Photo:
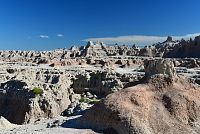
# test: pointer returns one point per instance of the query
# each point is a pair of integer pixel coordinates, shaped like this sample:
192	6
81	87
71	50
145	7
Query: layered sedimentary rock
102	82
103	71
163	104
28	94
160	66
167	49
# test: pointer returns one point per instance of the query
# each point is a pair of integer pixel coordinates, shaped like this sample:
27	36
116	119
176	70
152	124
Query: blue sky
51	24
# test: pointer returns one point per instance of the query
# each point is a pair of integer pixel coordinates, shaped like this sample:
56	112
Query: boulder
160	105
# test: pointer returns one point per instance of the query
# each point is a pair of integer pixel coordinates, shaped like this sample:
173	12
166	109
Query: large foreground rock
164	103
161	106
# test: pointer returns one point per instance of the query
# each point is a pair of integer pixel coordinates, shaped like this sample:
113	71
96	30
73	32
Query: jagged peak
169	39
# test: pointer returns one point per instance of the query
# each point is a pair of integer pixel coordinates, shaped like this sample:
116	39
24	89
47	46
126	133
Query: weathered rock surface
75	55
160	66
19	103
5	124
72	80
102	82
162	105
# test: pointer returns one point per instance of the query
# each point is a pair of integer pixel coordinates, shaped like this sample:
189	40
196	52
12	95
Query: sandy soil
40	127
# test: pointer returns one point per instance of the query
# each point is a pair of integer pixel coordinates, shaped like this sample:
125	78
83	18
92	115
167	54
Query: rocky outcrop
184	49
173	49
148	51
28	95
102	82
162	105
169	39
188	63
160	66
29	92
167	49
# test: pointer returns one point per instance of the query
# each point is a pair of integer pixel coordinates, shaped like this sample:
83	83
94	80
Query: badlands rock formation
29	92
167	49
103	82
95	53
46	84
19	103
164	104
185	48
160	66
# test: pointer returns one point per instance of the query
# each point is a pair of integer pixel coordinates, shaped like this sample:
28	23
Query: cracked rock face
20	104
102	82
159	66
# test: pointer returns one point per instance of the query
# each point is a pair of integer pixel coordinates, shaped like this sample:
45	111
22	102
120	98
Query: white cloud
44	36
60	35
187	36
138	39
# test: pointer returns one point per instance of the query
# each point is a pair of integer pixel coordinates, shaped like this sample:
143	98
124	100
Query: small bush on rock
89	101
37	90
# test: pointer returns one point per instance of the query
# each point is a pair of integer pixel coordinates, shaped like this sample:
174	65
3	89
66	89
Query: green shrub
90	101
37	90
82	99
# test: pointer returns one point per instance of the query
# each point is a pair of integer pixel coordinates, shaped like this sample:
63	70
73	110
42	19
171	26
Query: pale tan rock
5	124
159	66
